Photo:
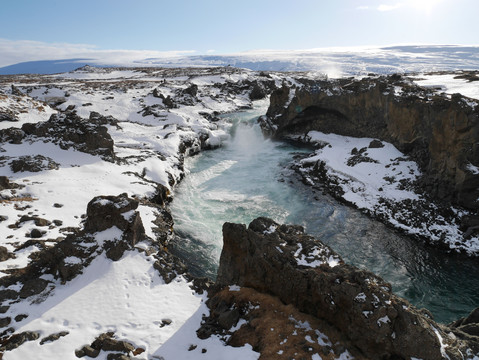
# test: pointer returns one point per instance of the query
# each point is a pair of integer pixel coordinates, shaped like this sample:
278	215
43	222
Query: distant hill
334	62
44	66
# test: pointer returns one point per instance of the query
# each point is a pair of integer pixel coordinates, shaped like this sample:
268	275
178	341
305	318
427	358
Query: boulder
107	342
191	90
258	92
5	184
105	212
5	254
283	261
36	234
33	287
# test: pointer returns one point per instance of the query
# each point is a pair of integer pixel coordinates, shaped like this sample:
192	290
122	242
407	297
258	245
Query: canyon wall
438	132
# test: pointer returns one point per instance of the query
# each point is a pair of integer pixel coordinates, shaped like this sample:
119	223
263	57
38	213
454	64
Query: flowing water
249	177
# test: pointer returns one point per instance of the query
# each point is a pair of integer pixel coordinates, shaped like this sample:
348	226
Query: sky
52	29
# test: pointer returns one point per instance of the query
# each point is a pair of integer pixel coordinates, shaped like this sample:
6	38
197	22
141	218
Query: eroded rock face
439	133
281	260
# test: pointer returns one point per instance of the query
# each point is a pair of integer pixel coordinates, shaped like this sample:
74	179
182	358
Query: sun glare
425	6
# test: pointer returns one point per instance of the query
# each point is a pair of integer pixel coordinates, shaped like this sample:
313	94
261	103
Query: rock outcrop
282	261
438	132
68	130
67	258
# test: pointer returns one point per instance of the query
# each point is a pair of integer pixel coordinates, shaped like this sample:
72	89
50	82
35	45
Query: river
249	177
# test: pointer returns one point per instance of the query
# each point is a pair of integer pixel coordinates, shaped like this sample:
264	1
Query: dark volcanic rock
468	325
17	340
5	184
12	135
4	322
53	337
69	130
36	234
33	164
5	254
281	260
107	342
104	212
33	287
439	133
192	90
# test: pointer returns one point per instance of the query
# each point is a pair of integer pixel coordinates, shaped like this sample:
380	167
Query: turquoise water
249	177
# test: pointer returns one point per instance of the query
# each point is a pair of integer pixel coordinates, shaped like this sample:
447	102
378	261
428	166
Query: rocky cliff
439	132
282	262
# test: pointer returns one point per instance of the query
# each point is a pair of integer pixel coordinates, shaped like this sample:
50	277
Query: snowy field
128	297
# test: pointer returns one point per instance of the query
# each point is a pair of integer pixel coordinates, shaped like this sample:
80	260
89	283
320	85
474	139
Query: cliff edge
282	262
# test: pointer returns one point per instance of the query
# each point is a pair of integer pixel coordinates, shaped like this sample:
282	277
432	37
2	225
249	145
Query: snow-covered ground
450	84
127	297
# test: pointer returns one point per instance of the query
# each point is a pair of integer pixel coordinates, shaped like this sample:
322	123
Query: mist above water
249	177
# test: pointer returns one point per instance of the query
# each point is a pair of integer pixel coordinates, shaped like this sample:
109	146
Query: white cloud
385	7
16	51
363	7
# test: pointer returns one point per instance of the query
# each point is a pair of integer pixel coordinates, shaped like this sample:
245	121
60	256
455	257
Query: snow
26	110
383	320
345	356
234	288
366	181
448	84
270	230
361	298
473	169
383	175
129	298
441	342
308	339
101	74
148	215
318	256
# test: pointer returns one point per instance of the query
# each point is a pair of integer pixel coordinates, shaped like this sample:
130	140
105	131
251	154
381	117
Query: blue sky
40	27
